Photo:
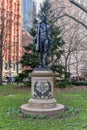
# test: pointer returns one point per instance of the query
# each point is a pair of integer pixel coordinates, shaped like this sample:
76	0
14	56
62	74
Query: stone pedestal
42	101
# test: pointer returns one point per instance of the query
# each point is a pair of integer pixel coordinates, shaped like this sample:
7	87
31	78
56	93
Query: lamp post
9	71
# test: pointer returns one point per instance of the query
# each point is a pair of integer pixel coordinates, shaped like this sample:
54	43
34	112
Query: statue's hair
43	16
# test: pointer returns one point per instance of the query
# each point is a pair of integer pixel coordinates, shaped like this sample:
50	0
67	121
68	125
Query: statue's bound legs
41	60
44	59
43	52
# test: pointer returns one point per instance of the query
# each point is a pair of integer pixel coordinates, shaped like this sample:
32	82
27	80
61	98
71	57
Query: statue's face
43	19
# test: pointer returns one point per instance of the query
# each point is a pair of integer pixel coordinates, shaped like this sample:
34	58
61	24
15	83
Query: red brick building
11	31
26	38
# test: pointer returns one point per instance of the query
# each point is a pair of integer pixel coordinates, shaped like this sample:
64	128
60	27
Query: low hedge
79	83
63	84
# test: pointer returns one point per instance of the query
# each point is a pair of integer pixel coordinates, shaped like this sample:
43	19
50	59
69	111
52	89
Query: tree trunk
0	65
65	74
17	68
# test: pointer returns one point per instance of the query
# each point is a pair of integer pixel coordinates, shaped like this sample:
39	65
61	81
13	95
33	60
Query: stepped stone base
45	107
42	101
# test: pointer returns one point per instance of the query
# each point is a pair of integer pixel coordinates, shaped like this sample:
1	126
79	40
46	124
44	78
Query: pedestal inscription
42	89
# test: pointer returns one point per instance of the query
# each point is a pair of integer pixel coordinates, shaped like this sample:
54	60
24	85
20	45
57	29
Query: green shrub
27	82
20	77
63	84
79	83
15	112
24	78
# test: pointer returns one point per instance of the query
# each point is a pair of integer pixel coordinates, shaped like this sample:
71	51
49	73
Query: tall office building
11	31
28	13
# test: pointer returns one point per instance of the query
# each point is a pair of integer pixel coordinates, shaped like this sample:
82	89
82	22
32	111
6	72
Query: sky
38	4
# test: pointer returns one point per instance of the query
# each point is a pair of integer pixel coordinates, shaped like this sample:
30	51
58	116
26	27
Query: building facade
11	31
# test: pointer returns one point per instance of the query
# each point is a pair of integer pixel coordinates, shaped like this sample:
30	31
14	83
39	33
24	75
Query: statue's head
43	18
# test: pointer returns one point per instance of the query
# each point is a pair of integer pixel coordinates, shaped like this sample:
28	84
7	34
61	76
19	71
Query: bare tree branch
78	5
78	21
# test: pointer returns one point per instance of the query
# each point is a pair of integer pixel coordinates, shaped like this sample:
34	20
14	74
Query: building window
6	66
14	66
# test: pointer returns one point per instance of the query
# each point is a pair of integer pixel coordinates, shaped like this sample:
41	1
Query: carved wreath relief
42	89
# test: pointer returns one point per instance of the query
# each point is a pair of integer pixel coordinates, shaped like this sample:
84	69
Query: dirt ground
73	88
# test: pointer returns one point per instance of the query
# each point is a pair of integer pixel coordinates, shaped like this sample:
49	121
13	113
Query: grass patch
74	118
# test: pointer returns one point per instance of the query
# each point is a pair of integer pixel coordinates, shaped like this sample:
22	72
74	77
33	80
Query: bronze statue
42	40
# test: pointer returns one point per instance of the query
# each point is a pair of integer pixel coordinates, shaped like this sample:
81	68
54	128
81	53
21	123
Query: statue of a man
42	40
